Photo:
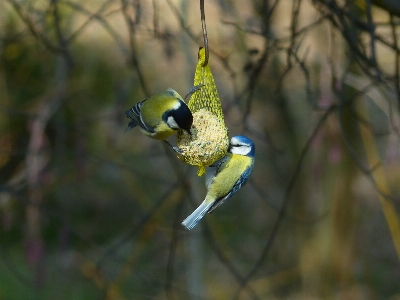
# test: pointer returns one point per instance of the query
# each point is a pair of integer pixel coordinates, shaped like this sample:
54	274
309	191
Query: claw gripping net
208	141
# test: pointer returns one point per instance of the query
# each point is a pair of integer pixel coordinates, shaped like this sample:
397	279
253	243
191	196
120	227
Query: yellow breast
230	173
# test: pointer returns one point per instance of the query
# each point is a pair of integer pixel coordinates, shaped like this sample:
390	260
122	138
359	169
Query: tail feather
197	215
134	115
131	124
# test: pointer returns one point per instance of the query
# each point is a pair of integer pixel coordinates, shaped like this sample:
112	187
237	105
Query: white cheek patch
177	105
241	149
171	123
235	141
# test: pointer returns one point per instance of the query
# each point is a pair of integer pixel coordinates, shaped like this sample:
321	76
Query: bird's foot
193	90
176	149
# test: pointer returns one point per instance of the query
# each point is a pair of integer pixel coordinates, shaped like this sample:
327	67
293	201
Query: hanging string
203	25
208	141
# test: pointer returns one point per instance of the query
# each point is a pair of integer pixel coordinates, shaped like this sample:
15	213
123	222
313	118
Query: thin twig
258	264
136	229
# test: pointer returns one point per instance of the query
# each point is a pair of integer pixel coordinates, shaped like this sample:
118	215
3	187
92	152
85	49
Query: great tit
225	177
161	114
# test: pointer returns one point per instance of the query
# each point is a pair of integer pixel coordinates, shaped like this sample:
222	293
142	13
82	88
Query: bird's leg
193	90
176	149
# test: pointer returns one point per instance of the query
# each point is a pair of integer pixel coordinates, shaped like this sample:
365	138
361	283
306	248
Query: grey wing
136	118
134	112
241	181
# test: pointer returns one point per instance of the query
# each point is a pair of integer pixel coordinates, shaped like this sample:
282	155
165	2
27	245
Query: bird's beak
188	131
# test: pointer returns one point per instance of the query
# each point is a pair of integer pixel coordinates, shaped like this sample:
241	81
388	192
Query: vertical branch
156	19
293	26
203	25
35	162
371	28
173	249
397	59
61	40
134	53
37	159
379	176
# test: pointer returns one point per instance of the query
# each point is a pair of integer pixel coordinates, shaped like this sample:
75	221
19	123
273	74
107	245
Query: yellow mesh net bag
208	141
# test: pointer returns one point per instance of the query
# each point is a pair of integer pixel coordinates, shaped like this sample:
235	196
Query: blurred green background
89	211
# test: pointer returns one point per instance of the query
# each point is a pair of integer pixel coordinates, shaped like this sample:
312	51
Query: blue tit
161	115
225	177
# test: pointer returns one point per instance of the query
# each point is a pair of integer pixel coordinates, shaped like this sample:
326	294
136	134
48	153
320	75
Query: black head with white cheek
179	117
241	145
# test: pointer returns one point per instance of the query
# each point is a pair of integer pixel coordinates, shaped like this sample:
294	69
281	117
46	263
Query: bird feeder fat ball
208	141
